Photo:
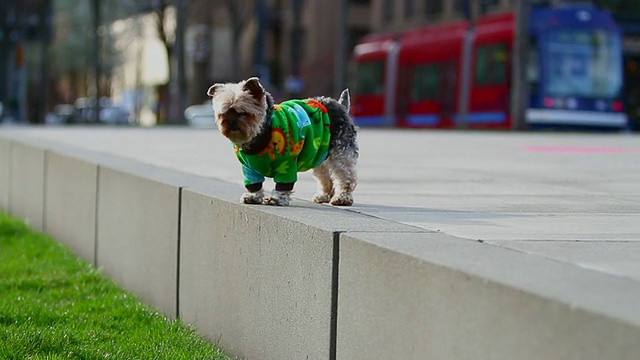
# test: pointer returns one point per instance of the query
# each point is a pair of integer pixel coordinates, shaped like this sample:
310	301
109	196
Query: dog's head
239	109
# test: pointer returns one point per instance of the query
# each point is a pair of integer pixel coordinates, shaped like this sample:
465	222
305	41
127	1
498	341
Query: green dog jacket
299	141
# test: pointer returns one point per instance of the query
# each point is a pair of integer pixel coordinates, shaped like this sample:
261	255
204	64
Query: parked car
62	114
200	115
109	113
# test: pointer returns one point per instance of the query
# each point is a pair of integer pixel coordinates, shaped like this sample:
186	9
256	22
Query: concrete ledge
255	281
70	206
433	296
310	281
261	280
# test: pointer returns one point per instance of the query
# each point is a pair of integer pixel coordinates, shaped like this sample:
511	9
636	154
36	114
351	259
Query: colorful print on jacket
299	141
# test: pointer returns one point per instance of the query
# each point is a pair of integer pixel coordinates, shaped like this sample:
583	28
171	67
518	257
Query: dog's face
239	109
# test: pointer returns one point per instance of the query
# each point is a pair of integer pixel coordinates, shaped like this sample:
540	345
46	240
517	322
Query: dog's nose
232	124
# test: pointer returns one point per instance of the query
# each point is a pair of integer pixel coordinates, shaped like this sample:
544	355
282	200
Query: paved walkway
571	197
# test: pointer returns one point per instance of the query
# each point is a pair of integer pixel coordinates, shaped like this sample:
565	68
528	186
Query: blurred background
150	62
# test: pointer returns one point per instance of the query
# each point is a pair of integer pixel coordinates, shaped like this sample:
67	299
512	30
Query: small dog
280	140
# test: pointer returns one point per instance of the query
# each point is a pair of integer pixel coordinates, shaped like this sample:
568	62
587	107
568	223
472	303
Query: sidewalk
570	197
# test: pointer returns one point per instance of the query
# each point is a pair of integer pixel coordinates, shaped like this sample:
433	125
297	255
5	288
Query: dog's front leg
253	183
281	195
254	194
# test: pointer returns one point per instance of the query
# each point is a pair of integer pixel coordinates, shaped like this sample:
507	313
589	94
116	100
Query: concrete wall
26	179
245	273
310	281
431	296
5	156
70	206
137	235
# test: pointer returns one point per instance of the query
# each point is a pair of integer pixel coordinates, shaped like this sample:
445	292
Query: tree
163	13
74	36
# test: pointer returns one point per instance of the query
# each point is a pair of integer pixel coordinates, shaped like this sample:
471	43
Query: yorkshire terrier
280	140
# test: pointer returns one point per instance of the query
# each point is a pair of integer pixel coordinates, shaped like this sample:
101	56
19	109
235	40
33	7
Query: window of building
487	5
426	82
369	77
409	8
461	6
491	64
387	11
433	7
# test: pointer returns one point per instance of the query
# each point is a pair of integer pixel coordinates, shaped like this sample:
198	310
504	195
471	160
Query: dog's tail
345	99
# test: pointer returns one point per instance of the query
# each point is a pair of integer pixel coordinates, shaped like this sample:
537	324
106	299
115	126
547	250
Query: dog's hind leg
345	177
322	174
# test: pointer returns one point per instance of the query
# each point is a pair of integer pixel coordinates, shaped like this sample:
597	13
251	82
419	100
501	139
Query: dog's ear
212	90
345	99
253	87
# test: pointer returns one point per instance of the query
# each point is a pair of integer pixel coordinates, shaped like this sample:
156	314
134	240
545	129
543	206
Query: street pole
293	85
5	33
177	83
339	79
259	67
96	60
45	40
519	84
467	48
198	50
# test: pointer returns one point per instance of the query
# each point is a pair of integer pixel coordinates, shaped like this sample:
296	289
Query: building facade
302	39
390	15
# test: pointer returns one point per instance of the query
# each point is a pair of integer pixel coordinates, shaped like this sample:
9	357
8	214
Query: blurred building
390	15
309	34
292	44
289	44
25	31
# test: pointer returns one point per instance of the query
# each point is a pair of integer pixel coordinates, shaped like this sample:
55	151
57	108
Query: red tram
441	76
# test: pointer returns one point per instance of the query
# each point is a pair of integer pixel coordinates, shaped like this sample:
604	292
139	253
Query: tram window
425	82
491	65
370	77
583	63
533	67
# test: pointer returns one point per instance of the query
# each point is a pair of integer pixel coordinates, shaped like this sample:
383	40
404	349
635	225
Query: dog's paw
342	199
278	198
321	198
253	197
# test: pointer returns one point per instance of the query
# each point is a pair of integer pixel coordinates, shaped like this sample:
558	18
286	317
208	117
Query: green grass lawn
54	306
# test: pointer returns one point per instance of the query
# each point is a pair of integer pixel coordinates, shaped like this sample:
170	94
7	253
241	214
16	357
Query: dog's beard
239	131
